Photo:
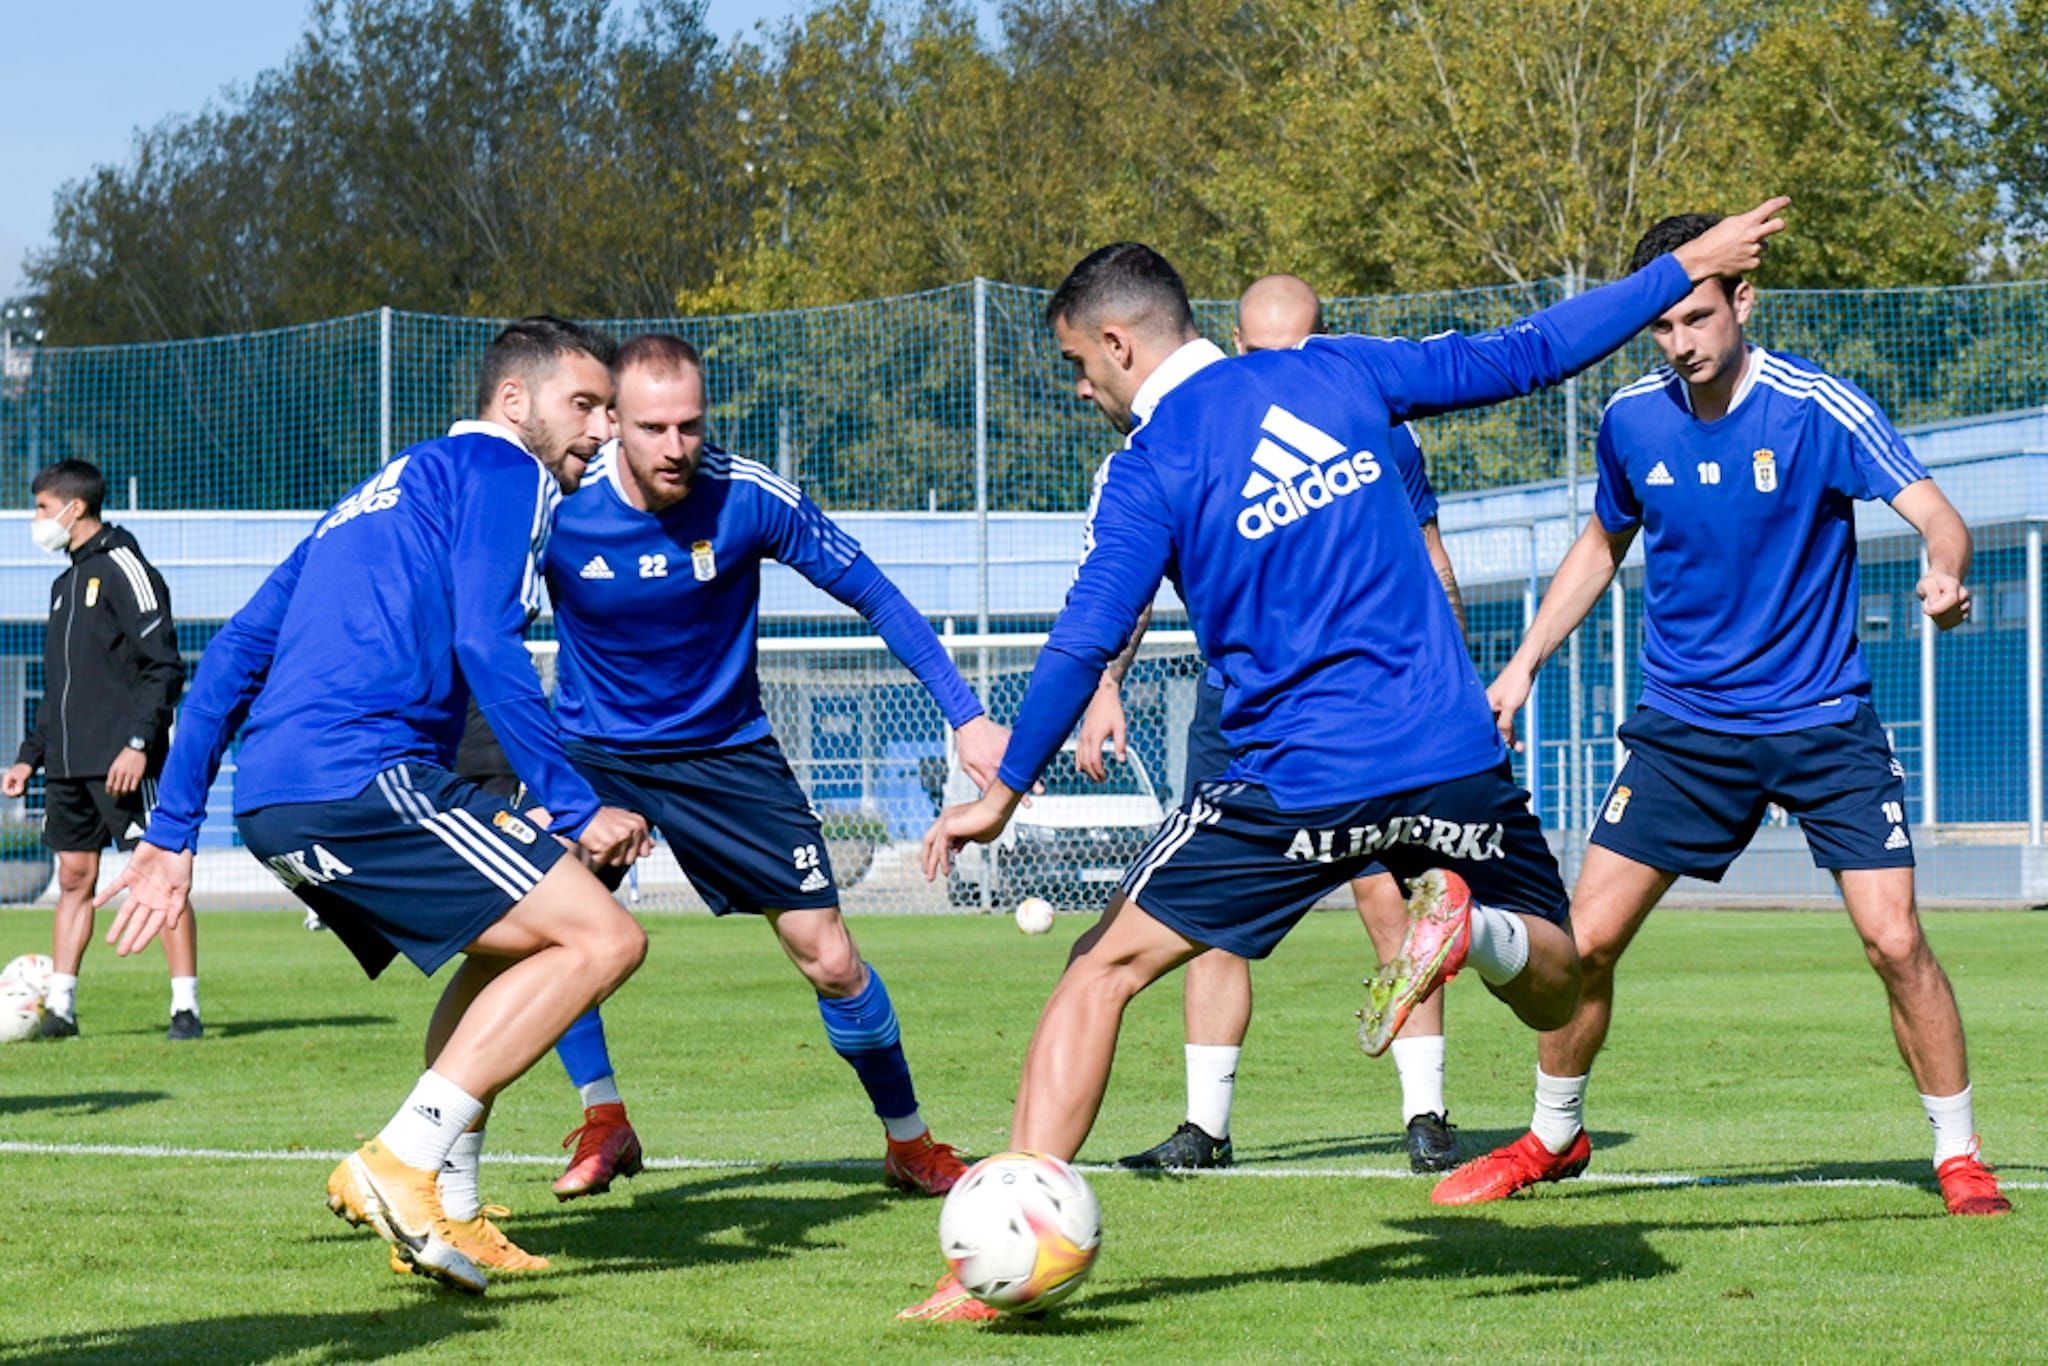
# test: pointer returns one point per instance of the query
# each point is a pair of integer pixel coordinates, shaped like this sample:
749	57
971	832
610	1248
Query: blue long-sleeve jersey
1260	487
362	649
657	610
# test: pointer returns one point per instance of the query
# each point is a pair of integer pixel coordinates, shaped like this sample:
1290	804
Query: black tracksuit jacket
111	671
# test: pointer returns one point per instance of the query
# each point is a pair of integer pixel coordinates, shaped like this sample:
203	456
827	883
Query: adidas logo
1660	477
816	882
596	569
1897	839
430	1113
1297	468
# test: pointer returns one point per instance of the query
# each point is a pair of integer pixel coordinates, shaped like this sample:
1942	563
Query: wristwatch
137	743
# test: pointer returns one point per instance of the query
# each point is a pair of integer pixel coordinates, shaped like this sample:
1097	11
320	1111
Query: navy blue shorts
1208	756
1235	872
739	823
1688	800
420	862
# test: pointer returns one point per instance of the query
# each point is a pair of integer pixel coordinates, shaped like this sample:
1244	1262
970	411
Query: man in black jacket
111	676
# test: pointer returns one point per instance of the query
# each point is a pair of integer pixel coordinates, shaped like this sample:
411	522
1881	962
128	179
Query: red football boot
1504	1171
606	1147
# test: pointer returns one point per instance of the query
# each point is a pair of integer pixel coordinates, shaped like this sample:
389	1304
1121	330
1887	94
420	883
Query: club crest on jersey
702	562
513	826
378	495
1617	804
92	592
1765	465
1297	468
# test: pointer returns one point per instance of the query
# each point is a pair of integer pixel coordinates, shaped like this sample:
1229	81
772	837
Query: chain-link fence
942	428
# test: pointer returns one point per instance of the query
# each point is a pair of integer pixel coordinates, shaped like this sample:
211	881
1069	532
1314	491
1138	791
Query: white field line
163	1152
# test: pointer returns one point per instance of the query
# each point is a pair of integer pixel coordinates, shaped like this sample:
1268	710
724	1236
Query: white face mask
49	534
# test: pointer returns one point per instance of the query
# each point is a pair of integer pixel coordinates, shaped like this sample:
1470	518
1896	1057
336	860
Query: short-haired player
1360	734
1279	312
347	675
655	575
1741	468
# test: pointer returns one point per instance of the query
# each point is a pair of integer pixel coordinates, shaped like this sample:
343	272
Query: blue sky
78	78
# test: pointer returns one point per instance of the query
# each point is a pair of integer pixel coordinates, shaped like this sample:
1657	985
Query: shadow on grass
1476	1257
433	1319
742	1217
81	1102
1471	1143
237	1029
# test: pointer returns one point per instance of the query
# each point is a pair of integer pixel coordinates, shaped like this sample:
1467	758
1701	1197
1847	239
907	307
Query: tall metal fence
943	425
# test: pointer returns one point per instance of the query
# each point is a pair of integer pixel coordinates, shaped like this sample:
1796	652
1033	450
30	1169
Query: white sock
184	994
460	1198
1955	1124
424	1130
1560	1110
603	1091
1500	945
1212	1085
903	1128
1420	1062
62	998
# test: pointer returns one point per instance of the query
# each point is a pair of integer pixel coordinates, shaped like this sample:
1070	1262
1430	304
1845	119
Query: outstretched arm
1452	370
867	590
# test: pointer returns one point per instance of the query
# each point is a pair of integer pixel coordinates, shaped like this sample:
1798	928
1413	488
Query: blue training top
1750	589
361	650
1259	486
657	611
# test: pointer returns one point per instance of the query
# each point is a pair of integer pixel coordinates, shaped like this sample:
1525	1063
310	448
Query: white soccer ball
1034	915
32	970
1020	1230
21	1011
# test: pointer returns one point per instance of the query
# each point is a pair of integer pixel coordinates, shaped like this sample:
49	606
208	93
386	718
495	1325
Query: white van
1070	845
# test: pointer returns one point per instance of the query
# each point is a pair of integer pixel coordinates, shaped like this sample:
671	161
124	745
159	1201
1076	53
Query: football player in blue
655	576
347	675
1361	737
1278	312
1741	468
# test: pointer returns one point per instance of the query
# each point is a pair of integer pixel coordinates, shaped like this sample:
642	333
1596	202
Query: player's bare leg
1216	1007
568	945
1066	1069
78	875
860	1021
557	952
469	1219
1927	1026
1615	894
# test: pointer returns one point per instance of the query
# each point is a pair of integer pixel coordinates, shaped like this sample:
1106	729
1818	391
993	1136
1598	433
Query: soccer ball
21	1011
1020	1230
1034	915
32	970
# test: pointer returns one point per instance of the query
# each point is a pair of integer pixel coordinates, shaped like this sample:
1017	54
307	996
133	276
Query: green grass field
1751	1054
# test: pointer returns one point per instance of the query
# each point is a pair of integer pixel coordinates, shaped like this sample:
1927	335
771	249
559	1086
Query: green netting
873	405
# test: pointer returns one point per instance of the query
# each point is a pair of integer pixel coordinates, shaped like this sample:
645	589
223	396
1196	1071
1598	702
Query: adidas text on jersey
1310	470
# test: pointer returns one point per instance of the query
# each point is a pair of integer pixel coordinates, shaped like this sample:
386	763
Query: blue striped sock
863	1031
